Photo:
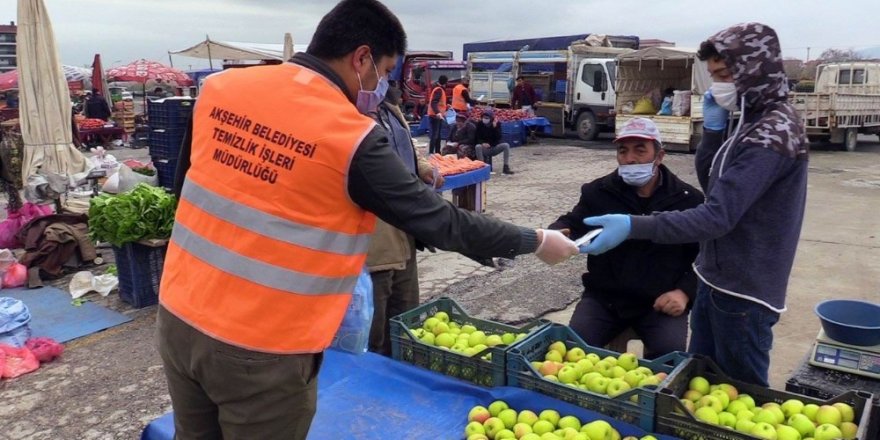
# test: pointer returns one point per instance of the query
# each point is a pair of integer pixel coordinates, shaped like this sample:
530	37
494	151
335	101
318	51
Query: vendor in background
640	285
488	141
391	258
96	106
437	113
524	97
461	97
462	137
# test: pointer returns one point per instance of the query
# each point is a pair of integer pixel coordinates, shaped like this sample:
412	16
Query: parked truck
417	71
845	103
574	84
648	73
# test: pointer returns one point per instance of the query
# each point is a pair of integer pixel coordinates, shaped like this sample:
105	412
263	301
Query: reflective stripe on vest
267	245
458	102
440	105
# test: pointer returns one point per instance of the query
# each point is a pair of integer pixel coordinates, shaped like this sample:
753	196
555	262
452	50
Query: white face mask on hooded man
725	95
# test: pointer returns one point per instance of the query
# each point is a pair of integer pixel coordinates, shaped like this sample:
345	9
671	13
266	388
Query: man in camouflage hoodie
756	185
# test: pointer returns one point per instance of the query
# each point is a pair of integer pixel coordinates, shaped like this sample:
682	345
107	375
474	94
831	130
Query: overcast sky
125	30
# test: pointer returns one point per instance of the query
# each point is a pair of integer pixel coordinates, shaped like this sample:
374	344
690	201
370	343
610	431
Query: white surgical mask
368	100
486	121
725	95
637	175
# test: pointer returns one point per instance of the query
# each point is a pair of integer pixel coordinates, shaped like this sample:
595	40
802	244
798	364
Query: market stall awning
234	50
9	80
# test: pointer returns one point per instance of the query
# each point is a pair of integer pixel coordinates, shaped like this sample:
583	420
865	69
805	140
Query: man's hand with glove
554	247
616	228
714	116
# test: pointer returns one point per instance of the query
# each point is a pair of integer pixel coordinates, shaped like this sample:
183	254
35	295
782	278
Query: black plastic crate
673	419
520	373
406	347
165	142
166	169
140	270
170	113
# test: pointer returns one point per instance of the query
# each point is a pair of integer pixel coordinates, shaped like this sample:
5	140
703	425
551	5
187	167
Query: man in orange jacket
276	211
461	96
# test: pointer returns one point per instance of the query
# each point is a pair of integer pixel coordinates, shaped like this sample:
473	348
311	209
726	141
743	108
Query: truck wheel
586	126
852	139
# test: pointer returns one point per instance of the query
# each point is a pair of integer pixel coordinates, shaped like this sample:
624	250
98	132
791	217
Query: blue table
471	188
373	397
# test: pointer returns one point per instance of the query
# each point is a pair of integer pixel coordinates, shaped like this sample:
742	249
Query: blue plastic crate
512	139
140	270
520	373
170	112
166	169
165	142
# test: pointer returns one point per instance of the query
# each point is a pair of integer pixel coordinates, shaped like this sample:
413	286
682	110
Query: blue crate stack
168	118
513	133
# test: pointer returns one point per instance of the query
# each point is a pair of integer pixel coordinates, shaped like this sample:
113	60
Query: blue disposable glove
714	116
616	230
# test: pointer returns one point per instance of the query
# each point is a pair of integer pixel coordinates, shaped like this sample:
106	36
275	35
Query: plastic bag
644	106
44	349
666	107
14	320
681	103
128	179
84	282
18	361
7	259
15	276
450	116
16	219
353	335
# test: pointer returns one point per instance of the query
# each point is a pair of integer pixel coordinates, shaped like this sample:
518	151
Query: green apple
493	340
444	339
474	428
551	378
744	426
748	400
442	316
645	370
765	416
846	412
648	437
828	414
569	422
711	402
650	380
479	414
430	323
791	407
700	384
558	432
849	430
493	426
628	361
453	324
508	416
521	429
553	355
467	328
558	347
803	424
776	410
575	354
454	330
418	332
692	395
604	368
586	378
617	387
581	436
428	338
584	366
477	437
745	415
497	406
531	436
508	338
727	419
611	360
599	385
568	374
526	416
618	372
550	368
460	346
785	432
593	357
568	433
542	426
520	336
597	430
764	430
689	405
730	390
707	414
721	396
810	411
633	377
476	338
549	415
736	406
827	431
505	434
440	328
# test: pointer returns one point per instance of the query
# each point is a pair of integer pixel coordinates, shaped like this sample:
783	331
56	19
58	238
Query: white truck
845	103
576	85
650	72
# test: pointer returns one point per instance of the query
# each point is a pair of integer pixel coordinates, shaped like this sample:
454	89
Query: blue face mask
368	101
637	175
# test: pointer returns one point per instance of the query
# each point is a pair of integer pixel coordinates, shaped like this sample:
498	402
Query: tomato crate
674	419
635	406
407	347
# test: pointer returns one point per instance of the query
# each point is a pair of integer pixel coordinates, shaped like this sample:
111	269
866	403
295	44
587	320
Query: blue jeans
736	333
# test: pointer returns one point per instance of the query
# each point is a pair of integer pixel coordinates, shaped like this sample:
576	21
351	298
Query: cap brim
638	136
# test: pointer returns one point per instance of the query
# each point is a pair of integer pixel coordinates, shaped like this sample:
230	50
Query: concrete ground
110	385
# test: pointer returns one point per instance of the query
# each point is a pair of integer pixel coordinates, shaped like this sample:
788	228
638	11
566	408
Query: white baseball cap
642	128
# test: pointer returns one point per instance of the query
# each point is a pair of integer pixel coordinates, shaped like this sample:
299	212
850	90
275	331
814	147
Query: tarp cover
374	397
234	50
701	78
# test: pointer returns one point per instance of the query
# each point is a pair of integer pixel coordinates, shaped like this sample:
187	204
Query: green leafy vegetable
145	212
147	171
111	270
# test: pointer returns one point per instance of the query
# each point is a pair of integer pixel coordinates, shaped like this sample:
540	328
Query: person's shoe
507	170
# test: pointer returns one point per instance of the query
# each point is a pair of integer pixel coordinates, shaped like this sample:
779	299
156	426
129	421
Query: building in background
7	47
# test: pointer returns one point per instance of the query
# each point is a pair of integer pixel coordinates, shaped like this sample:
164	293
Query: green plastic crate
673	419
520	373
406	347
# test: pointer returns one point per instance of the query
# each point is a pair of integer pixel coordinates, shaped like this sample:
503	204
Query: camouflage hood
752	53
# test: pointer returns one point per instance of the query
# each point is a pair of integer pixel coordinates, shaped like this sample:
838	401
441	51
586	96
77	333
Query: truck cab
593	96
417	71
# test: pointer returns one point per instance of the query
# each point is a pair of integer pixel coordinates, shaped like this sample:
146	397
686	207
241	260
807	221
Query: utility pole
808	54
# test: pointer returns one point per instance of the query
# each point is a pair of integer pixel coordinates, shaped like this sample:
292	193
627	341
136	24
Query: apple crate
406	347
635	406
673	419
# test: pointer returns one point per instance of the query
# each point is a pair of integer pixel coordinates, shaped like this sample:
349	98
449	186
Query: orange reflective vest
441	105
267	246
458	102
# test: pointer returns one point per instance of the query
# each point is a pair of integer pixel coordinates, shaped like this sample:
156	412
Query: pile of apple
466	339
722	405
501	114
611	375
499	421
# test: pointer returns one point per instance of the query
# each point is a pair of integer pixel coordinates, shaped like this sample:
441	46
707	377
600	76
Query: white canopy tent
240	51
672	57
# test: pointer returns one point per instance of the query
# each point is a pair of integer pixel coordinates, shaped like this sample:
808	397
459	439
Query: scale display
828	353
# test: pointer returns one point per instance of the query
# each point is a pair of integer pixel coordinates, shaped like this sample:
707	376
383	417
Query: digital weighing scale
853	359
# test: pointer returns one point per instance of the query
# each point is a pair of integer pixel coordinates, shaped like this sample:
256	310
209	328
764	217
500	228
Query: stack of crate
167	118
123	114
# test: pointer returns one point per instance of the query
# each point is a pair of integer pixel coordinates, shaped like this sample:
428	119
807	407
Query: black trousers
436	127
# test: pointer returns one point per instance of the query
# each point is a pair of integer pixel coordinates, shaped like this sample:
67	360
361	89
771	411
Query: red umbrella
98	75
144	70
8	80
